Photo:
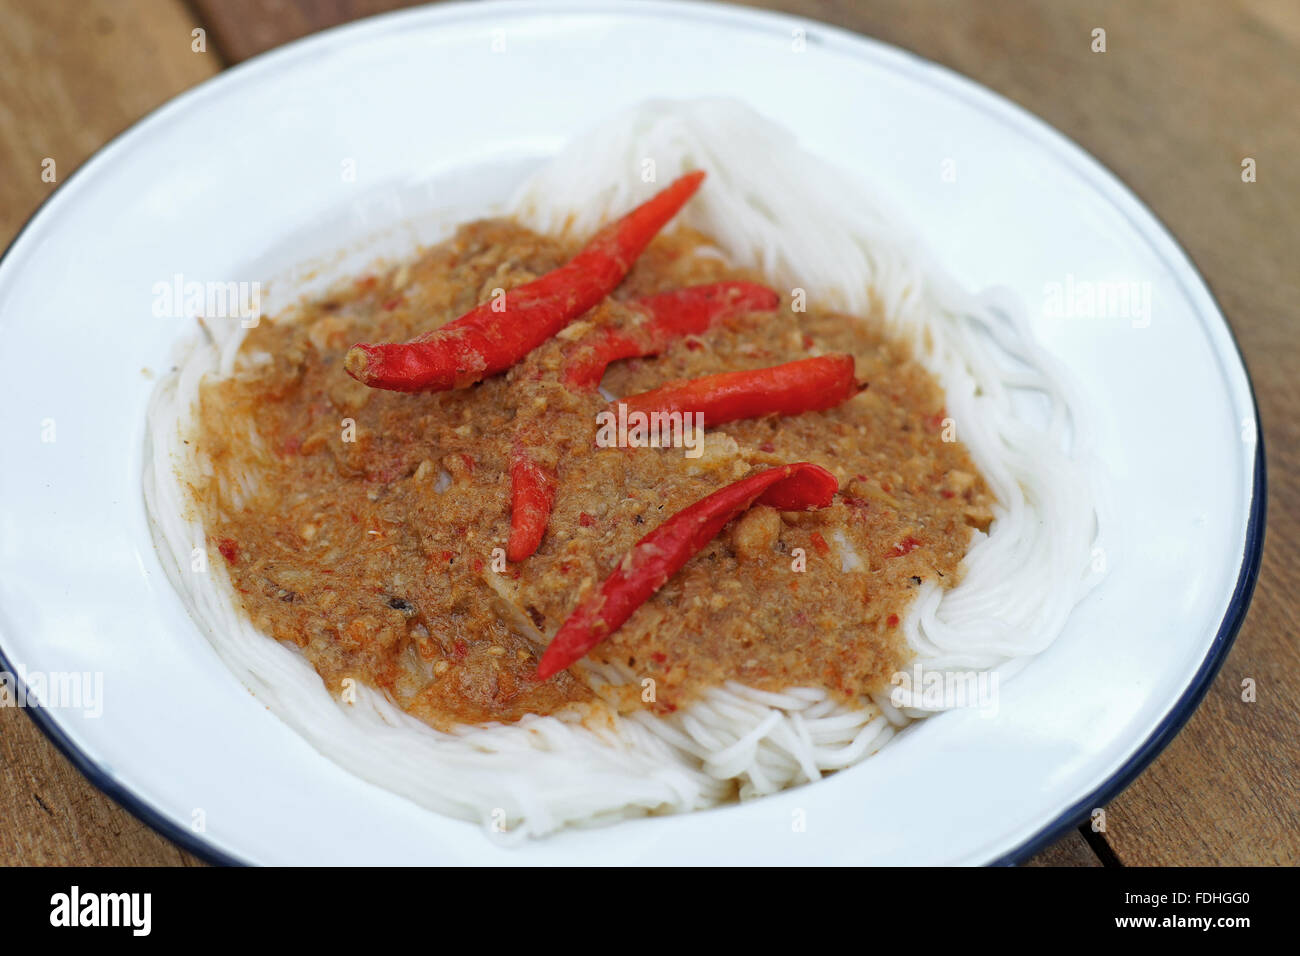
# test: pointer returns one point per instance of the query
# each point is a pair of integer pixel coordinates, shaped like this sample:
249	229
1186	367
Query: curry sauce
368	527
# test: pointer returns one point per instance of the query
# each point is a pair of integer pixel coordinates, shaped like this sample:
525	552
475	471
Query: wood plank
1071	850
244	28
74	76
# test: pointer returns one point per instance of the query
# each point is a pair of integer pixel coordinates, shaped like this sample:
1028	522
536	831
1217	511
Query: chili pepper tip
546	670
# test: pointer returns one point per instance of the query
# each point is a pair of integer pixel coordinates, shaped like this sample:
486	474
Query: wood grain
1182	95
74	76
1071	850
244	28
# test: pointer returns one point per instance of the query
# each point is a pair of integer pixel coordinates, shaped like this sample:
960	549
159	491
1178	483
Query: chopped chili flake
767	447
906	546
460	650
820	544
586	520
892	620
229	550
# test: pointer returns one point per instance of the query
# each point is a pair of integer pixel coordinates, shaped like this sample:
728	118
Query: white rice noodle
804	224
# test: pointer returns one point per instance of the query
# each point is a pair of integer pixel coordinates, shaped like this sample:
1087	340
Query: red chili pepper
807	385
672	315
495	335
532	489
661	554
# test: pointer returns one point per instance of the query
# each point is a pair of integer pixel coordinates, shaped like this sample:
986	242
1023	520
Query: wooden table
1183	93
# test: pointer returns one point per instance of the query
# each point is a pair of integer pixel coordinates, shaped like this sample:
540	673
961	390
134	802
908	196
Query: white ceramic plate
238	175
